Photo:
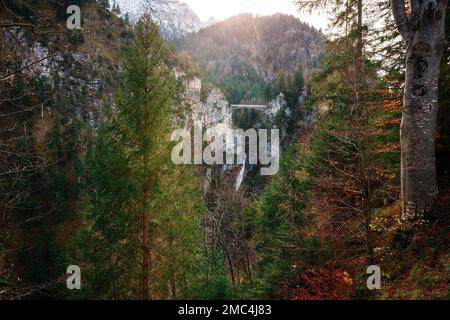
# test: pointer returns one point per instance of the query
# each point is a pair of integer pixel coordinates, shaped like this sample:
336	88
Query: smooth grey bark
423	31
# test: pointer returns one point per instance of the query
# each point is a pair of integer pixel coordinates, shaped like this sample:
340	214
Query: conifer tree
139	207
143	103
104	3
108	252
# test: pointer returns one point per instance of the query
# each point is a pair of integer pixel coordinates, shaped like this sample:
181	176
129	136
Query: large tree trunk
424	34
145	256
145	237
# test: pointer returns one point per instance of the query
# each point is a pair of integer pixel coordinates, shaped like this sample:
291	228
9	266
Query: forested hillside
245	54
55	84
105	171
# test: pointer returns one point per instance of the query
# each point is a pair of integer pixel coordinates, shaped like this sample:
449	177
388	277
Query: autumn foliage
323	284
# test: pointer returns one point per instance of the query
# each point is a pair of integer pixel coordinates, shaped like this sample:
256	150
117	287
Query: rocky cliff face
204	103
79	66
175	18
275	105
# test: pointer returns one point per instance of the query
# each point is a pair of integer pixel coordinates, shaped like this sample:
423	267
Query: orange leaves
391	105
388	147
382	123
347	279
301	174
385	100
324	284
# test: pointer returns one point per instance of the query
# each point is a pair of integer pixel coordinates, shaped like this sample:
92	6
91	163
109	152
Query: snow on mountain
175	18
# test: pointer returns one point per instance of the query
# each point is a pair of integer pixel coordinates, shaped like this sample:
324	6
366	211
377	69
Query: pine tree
104	3
138	204
143	106
108	251
276	223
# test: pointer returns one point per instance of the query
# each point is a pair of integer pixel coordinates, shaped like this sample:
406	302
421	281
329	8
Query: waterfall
240	177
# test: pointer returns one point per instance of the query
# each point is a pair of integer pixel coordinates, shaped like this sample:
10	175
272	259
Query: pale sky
222	9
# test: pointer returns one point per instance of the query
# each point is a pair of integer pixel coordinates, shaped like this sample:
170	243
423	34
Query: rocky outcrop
81	72
275	105
204	103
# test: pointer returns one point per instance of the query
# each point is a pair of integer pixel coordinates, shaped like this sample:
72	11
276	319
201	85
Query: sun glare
220	9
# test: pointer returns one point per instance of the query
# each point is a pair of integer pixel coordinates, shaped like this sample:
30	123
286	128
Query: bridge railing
248	106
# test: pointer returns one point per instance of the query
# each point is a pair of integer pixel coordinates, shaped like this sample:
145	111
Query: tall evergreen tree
104	3
139	207
143	102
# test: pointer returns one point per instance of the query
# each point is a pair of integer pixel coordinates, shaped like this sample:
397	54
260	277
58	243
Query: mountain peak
175	18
